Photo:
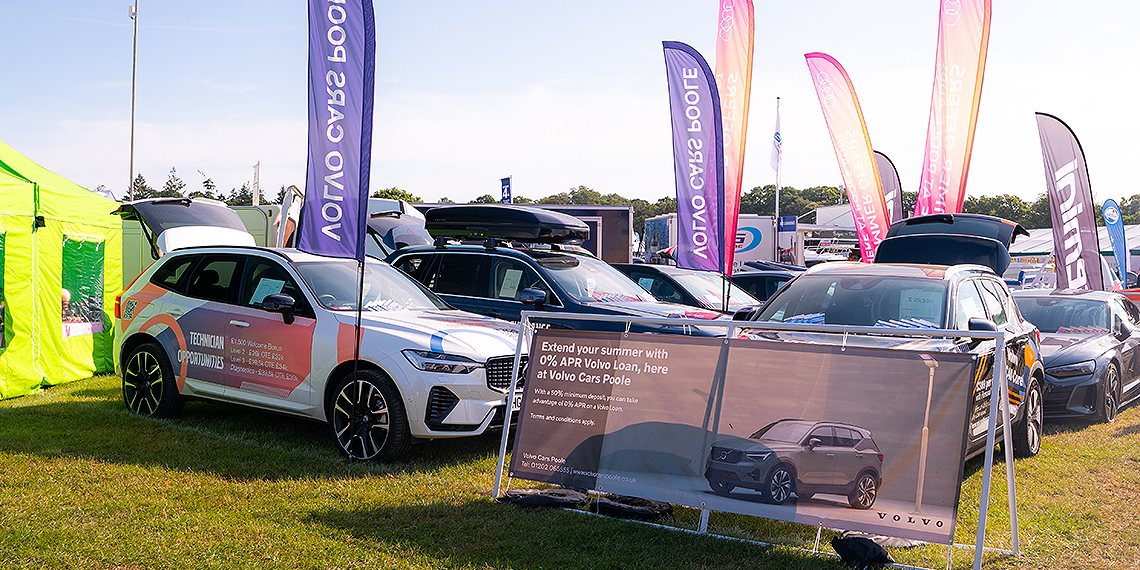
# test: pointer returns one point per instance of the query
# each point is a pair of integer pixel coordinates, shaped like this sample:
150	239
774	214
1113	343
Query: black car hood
1060	349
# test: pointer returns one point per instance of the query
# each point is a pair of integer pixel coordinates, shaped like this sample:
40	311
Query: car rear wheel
1110	404
367	418
865	491
721	488
149	387
1027	432
780	484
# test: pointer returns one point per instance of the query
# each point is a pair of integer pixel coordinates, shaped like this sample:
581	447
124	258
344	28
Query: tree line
759	200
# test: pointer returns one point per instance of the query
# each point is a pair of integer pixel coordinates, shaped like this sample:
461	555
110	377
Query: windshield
589	280
708	288
335	283
786	431
1065	316
860	300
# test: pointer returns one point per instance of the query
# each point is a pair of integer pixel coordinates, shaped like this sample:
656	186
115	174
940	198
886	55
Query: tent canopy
60	268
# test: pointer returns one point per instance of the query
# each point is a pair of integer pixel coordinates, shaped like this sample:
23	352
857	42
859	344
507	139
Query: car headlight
759	456
1079	369
439	362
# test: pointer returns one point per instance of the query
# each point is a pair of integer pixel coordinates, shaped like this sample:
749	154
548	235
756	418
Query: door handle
238	323
176	313
494	313
831	455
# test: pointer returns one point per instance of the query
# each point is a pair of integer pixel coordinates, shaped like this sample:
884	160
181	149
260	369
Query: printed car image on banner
777	430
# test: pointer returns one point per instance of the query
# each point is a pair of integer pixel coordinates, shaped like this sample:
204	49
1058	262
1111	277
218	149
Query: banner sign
776	430
698	156
1114	222
852	146
506	190
342	53
892	187
1075	243
959	63
734	82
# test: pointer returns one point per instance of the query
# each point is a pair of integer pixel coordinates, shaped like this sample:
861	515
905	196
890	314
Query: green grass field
86	484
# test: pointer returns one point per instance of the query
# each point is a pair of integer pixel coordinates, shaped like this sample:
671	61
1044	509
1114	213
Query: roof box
530	225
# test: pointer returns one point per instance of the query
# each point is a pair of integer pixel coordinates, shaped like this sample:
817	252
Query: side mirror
533	296
1123	329
280	303
980	324
814	443
747	313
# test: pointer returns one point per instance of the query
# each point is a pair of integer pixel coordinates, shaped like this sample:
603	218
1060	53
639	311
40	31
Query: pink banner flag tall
734	81
853	150
960	60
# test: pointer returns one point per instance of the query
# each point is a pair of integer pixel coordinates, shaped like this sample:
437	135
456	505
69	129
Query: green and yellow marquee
60	270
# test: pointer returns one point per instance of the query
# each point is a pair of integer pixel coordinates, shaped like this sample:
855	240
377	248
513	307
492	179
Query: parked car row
217	319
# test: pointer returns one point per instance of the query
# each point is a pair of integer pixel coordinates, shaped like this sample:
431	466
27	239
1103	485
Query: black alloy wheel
149	386
865	491
1027	432
781	484
367	418
1110	403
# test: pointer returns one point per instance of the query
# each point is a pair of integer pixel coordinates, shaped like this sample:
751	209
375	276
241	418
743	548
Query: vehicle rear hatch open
176	223
951	239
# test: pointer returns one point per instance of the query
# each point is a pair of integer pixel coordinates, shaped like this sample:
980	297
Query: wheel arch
131	343
343	370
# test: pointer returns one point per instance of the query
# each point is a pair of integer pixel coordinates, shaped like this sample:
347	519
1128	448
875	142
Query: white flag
777	151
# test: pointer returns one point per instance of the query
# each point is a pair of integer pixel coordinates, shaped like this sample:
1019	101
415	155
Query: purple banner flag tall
698	155
892	187
1075	245
342	61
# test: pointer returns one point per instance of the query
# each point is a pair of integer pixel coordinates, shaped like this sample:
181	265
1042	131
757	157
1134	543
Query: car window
1065	315
265	277
994	301
511	276
861	300
824	434
214	278
1133	313
845	437
772	284
170	275
661	289
968	305
418	267
587	279
461	275
1119	316
335	283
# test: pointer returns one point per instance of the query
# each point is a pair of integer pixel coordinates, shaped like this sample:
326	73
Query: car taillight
119	297
1038	333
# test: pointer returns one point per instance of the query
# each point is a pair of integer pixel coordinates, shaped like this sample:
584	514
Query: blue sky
555	94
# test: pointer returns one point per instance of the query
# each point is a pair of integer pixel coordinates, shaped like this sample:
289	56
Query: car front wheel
1027	432
367	418
1110	404
781	484
865	491
149	386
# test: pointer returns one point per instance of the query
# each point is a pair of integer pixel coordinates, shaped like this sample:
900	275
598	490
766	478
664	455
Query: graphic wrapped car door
269	352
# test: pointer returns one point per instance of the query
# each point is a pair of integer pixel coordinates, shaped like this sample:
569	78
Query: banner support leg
1007	445
703	527
524	324
995	409
818	535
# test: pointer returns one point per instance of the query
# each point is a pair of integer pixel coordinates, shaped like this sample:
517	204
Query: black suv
500	279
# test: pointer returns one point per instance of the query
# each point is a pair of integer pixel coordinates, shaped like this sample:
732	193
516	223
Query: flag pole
779	156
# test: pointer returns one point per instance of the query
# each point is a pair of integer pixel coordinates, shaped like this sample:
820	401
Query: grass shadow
89	420
458	535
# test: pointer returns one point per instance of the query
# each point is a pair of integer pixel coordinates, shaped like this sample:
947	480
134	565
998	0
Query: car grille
499	373
726	455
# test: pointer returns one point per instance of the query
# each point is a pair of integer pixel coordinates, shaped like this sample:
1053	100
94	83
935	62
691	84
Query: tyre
149	387
721	488
1110	402
779	485
1027	432
865	491
367	418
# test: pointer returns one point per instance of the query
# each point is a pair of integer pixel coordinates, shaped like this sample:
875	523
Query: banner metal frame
998	403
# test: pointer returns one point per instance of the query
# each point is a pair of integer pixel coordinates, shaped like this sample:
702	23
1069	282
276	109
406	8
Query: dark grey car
799	456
